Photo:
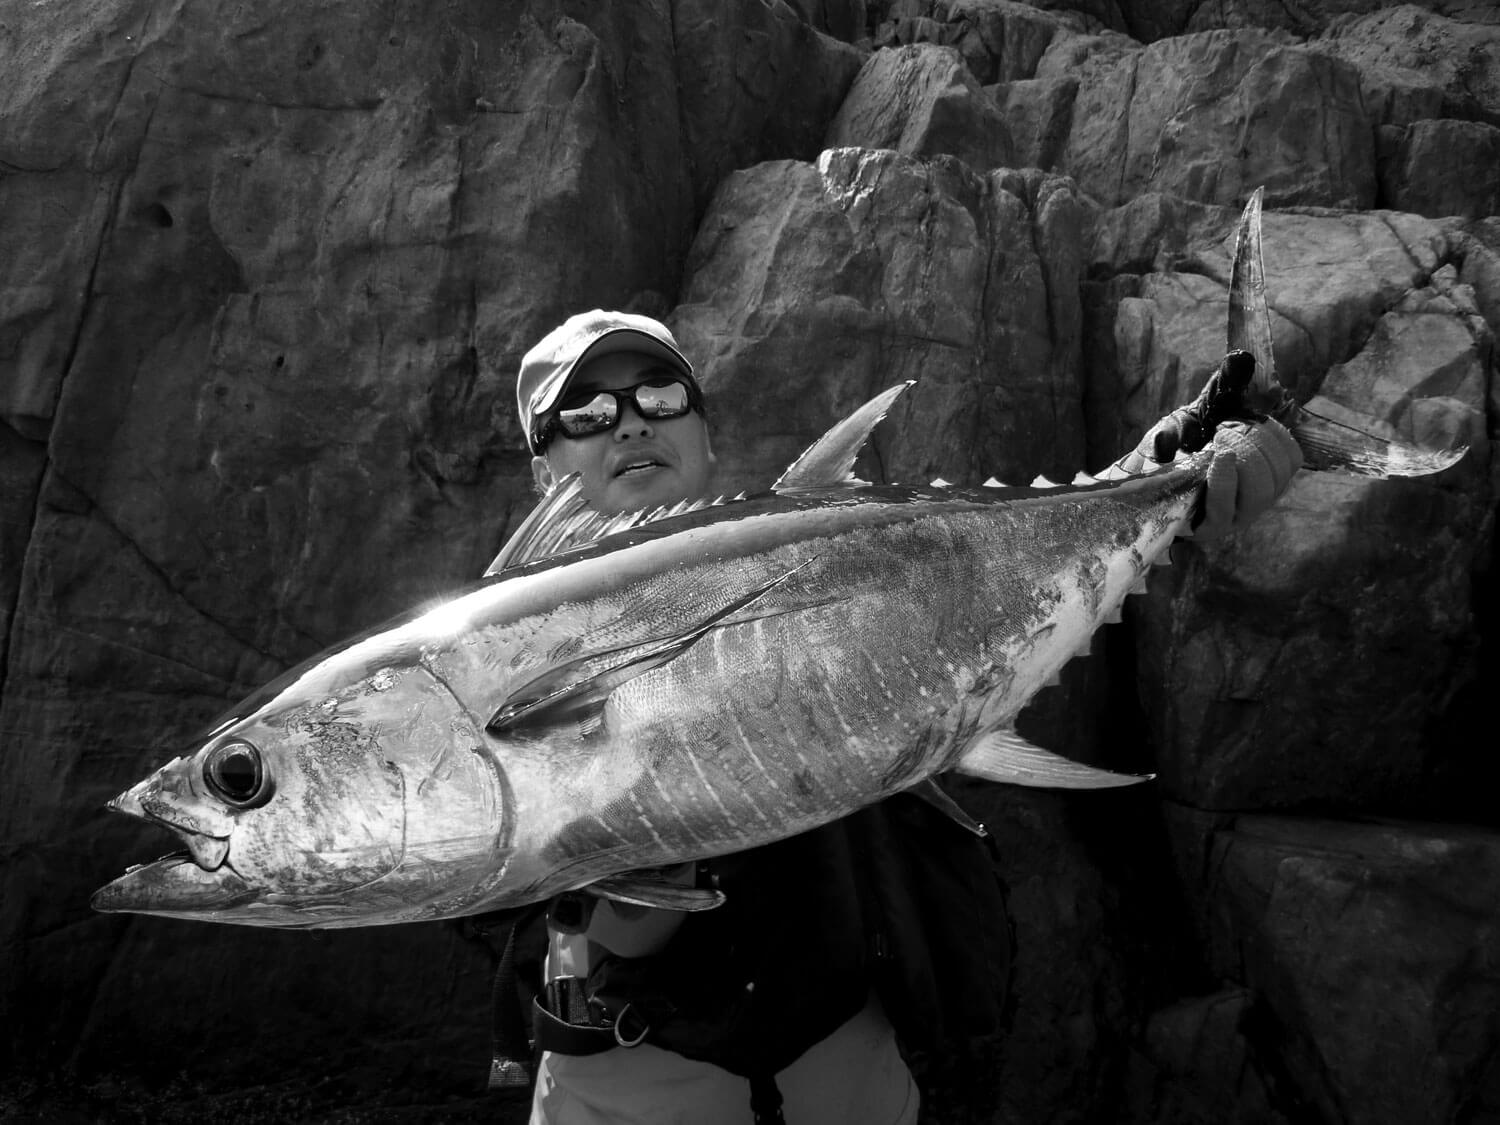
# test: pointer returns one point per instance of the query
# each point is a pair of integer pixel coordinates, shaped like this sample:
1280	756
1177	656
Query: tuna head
308	805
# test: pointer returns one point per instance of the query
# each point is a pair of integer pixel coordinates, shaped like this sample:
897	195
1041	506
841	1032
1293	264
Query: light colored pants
854	1077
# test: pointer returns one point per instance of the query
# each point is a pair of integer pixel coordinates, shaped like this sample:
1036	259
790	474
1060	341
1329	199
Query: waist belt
572	1024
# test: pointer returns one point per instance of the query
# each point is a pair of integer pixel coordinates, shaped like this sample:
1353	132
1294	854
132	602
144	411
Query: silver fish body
685	686
693	687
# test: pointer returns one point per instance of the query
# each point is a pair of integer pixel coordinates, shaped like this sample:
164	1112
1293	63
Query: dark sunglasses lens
661	400
592	417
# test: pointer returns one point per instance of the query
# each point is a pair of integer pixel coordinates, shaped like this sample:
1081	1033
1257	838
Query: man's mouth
639	467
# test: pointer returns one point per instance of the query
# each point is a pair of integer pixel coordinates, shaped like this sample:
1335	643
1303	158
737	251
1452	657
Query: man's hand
1252	466
1254	456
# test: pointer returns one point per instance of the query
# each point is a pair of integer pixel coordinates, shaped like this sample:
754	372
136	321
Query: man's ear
541	473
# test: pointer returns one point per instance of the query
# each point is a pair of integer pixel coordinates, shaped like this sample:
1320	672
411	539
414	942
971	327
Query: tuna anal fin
566	693
931	792
642	888
1007	757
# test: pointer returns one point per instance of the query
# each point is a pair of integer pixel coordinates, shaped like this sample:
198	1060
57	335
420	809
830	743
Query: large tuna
688	685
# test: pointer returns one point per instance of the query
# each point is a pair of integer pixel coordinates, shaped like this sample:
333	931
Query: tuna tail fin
1005	756
830	459
1326	444
1340	447
1249	313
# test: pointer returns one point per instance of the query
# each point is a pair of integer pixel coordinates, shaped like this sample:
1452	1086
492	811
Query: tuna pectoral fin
640	888
577	690
1005	756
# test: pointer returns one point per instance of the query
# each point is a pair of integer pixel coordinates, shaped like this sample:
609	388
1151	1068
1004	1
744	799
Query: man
784	1003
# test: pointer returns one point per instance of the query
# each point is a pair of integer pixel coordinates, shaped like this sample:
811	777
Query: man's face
642	462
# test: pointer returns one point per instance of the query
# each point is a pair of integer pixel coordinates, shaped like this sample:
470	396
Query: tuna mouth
208	851
196	879
174	884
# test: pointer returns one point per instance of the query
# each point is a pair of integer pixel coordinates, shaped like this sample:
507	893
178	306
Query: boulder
845	20
1212	116
1371	945
1204	1061
1003	41
922	101
759	81
1478	245
1319	15
797	260
1422	374
1416	63
1038	117
1305	661
1441	168
1094	933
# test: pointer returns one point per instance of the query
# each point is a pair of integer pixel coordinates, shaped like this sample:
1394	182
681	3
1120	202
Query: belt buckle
567	1001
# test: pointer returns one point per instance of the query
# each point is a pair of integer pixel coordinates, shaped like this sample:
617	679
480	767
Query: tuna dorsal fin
830	459
576	691
1003	755
931	792
644	888
564	519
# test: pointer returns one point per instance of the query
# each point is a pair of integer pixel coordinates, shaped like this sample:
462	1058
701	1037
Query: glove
1189	428
1252	466
1254	456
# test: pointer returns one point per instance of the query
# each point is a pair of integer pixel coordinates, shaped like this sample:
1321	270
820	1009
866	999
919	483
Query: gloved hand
1255	457
1252	466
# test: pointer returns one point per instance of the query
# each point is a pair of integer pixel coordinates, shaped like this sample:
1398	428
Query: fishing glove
1252	466
1255	456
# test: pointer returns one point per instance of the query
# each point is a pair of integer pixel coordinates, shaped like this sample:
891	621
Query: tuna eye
235	772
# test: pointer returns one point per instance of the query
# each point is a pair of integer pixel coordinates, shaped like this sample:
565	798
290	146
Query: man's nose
631	424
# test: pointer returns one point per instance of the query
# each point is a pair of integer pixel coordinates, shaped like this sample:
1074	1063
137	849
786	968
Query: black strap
510	1052
554	1034
765	1100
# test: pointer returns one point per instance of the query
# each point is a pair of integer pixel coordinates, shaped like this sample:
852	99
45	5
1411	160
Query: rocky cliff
267	274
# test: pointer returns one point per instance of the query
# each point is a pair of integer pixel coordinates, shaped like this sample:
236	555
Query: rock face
267	277
984	310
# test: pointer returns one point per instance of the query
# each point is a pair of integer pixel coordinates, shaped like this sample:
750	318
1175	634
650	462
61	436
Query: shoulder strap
765	1100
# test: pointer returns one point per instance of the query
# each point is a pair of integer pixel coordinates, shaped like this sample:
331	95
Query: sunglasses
664	395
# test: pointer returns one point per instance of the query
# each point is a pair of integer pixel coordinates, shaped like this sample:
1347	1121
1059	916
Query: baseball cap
547	367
